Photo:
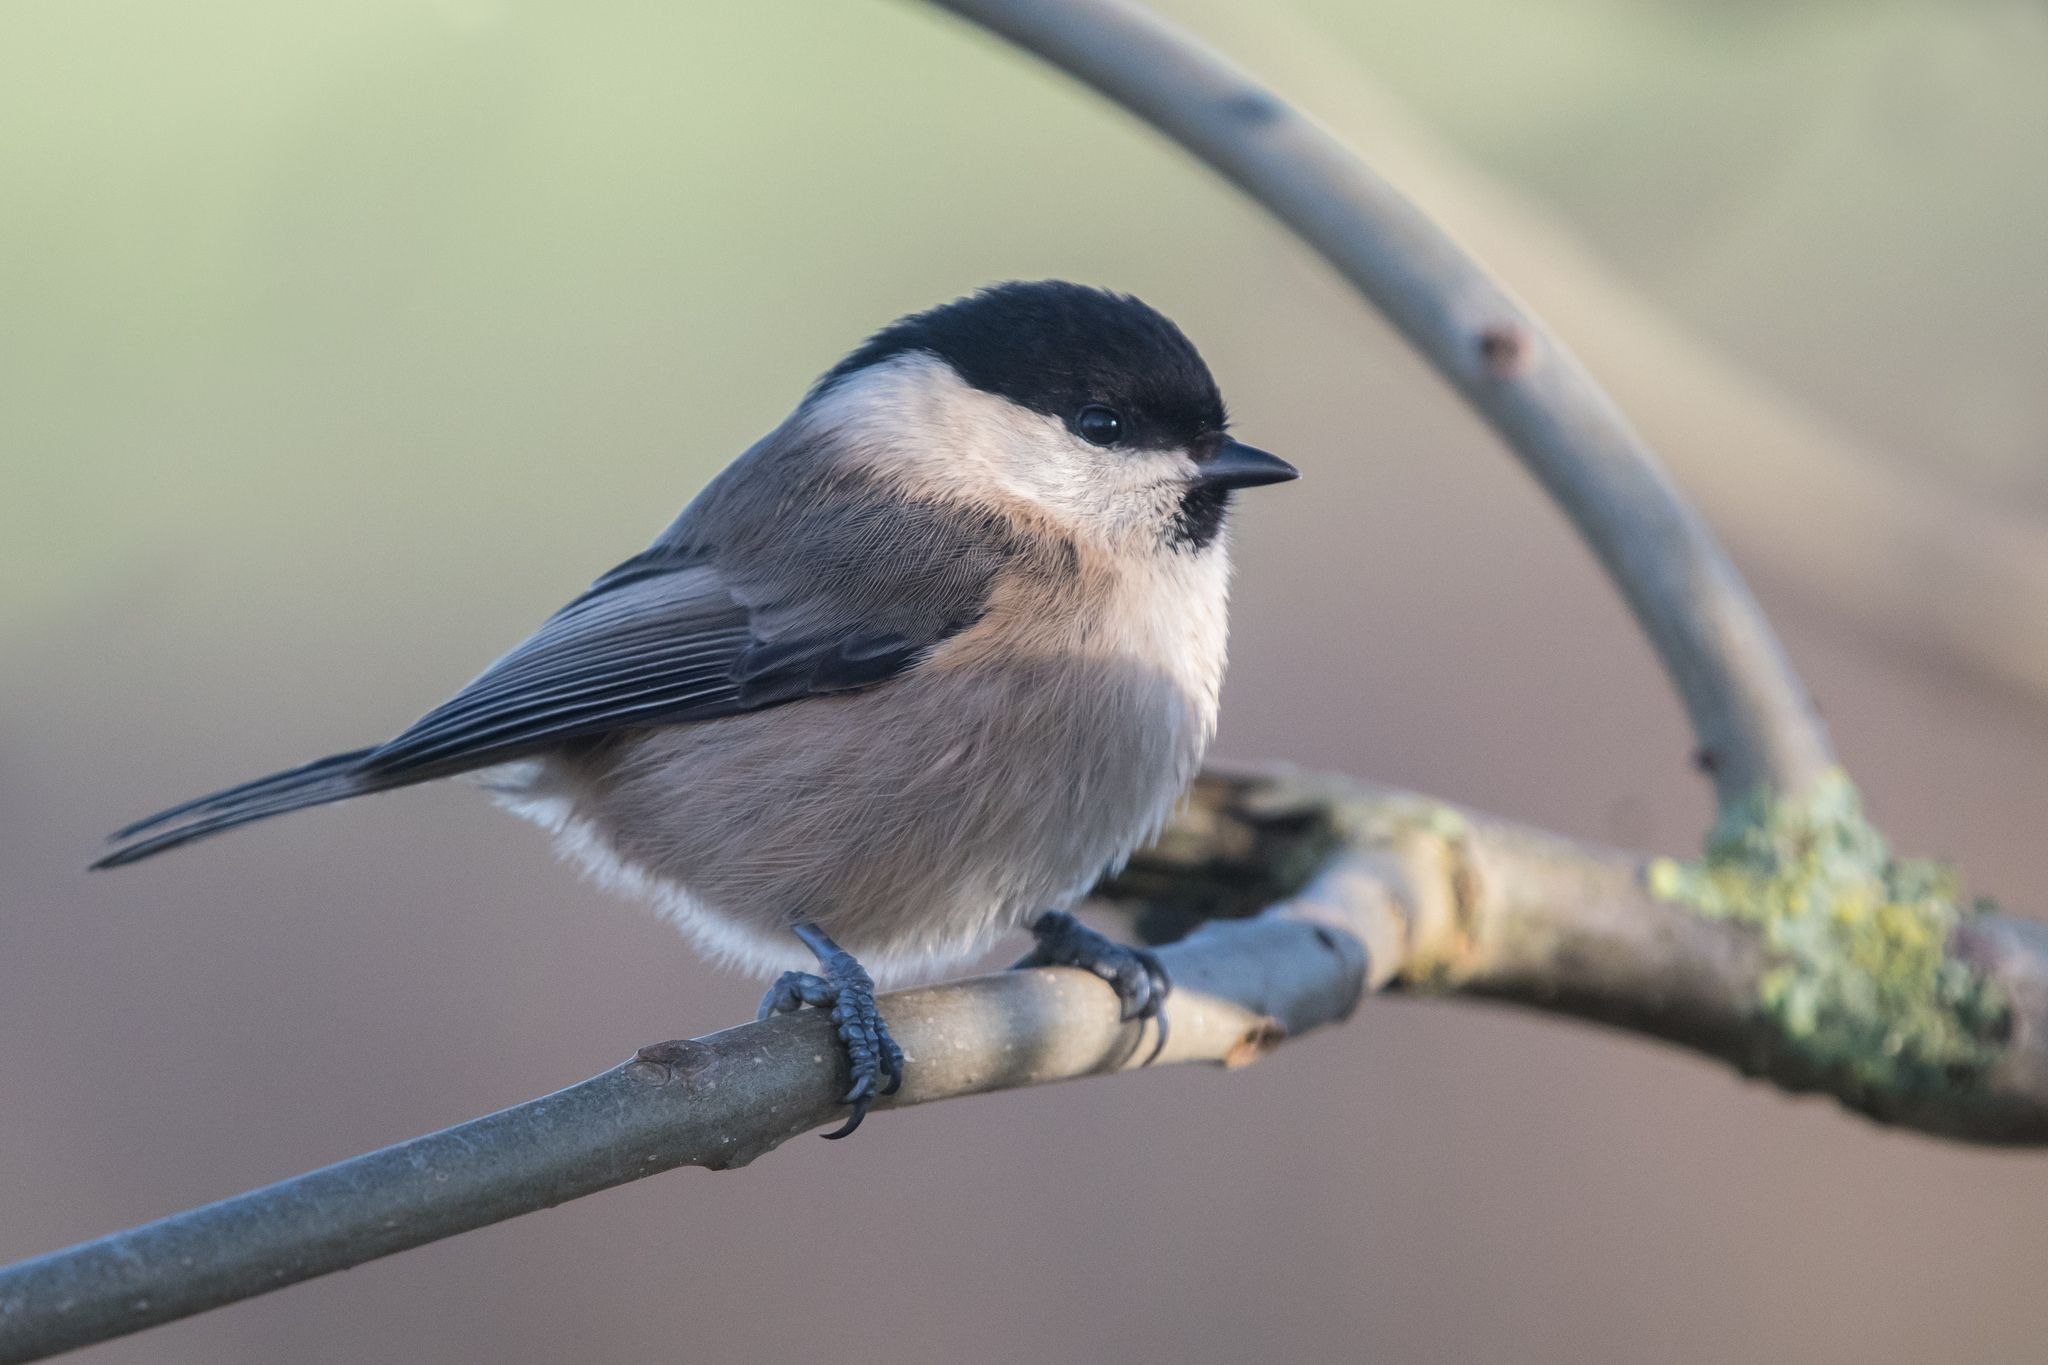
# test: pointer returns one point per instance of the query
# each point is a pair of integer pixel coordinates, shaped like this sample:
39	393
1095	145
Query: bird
916	669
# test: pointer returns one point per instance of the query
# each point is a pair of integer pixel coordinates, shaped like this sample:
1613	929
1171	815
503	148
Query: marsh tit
917	668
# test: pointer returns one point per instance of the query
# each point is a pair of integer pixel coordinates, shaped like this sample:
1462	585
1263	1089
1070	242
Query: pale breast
918	820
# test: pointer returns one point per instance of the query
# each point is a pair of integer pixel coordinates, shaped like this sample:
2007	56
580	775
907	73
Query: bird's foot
1135	974
843	986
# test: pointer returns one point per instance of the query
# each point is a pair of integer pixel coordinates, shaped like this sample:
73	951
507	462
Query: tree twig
1886	552
1756	726
1368	889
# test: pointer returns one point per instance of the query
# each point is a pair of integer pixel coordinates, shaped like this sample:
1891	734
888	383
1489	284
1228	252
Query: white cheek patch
1136	492
914	420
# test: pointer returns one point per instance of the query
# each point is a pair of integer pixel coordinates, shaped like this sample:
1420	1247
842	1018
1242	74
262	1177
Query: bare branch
1451	902
718	1101
1376	890
1895	556
1756	725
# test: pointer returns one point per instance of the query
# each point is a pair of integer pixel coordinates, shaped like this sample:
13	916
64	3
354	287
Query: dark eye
1098	425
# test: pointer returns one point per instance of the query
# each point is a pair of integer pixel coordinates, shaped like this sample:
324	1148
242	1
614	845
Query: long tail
316	784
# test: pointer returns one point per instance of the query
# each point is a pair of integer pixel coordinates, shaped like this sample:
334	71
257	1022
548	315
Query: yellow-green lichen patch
1862	985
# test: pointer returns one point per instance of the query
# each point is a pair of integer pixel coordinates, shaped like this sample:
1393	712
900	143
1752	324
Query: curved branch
1887	553
1756	725
1369	890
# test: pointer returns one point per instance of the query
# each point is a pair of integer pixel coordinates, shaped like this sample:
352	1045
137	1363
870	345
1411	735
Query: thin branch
1756	726
718	1102
1377	890
1884	551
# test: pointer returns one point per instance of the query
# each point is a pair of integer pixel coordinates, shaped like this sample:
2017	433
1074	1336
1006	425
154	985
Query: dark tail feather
276	782
316	784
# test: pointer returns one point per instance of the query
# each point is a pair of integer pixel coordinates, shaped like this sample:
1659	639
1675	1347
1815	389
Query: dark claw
843	987
860	1111
892	1064
1135	974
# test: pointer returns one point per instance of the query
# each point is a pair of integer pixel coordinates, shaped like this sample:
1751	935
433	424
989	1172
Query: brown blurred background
341	341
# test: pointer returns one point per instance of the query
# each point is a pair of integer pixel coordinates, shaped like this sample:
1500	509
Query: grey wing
801	595
645	646
803	591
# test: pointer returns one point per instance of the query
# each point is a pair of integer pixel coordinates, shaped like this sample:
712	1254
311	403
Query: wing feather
815	583
654	648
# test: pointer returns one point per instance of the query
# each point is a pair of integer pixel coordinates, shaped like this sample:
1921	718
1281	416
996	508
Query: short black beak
1237	465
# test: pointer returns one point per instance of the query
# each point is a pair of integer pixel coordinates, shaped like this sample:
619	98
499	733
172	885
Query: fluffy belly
913	822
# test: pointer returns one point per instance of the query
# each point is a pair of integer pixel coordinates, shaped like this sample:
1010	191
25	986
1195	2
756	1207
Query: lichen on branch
1863	986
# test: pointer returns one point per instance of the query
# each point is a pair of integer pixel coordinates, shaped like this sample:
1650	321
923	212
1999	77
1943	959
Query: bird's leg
844	987
1137	976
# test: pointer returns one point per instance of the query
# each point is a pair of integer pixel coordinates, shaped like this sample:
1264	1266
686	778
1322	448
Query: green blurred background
341	342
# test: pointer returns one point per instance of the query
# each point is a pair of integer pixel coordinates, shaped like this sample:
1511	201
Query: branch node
1506	350
677	1059
1254	108
1864	987
1264	1034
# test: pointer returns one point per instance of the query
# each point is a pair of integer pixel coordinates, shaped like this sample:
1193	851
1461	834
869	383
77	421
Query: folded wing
678	634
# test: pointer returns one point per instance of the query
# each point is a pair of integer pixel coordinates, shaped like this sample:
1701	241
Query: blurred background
340	342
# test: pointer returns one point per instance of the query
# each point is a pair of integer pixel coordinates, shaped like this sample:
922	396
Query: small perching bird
915	669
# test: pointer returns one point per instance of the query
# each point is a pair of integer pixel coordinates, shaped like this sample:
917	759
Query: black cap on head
1057	348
